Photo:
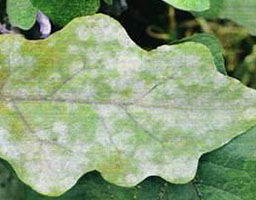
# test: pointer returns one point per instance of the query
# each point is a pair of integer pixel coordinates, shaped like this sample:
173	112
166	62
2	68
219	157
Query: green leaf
191	5
11	188
215	47
240	11
21	13
230	172
62	12
88	98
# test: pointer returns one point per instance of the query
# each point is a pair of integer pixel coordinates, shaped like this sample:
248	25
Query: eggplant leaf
87	98
240	11
191	5
213	44
227	173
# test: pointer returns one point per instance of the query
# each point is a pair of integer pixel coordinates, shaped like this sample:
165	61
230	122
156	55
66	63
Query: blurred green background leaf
21	13
62	12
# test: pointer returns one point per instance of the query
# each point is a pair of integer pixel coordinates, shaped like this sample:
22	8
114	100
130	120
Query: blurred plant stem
161	34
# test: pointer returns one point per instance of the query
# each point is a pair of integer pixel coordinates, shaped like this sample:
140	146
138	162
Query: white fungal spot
54	77
12	50
128	62
7	146
182	168
220	80
105	31
167	48
82	33
131	179
62	130
124	40
76	66
43	135
72	49
10	46
141	154
52	43
250	114
48	167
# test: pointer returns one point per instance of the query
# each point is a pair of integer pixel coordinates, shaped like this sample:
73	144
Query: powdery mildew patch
96	101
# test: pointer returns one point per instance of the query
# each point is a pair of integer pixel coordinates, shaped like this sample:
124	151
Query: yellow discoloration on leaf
79	101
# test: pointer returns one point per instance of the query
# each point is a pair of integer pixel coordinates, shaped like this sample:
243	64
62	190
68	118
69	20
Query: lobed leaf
88	98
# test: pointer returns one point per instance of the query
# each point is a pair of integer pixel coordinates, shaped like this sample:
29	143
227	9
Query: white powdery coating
62	131
249	113
131	179
59	132
54	77
106	129
76	66
7	147
25	91
125	142
220	81
43	134
82	33
176	170
128	65
51	168
103	32
16	59
56	164
10	46
93	55
73	49
128	62
13	51
168	49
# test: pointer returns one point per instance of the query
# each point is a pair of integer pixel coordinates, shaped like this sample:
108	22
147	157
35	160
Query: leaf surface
215	47
227	173
62	12
191	5
21	13
93	187
240	11
230	172
85	100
